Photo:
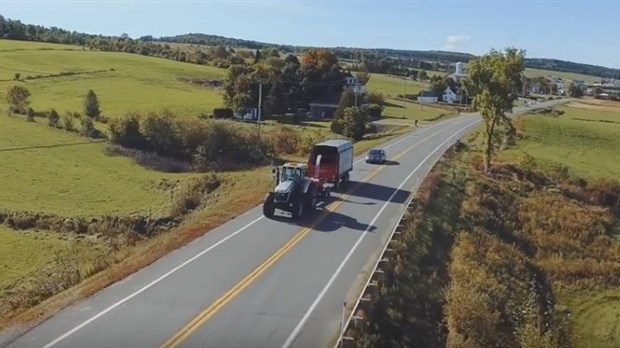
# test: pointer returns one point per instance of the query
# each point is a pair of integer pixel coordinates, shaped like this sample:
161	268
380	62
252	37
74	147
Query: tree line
379	60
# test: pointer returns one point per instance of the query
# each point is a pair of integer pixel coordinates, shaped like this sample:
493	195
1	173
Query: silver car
376	156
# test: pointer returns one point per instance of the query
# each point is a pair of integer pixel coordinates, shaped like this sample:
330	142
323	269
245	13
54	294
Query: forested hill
149	45
352	53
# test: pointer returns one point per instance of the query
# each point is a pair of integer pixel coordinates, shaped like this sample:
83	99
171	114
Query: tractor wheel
311	198
268	206
298	209
345	181
326	193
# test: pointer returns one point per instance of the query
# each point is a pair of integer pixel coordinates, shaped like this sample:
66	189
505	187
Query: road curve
258	282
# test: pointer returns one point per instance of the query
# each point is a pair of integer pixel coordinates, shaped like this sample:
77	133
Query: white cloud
454	41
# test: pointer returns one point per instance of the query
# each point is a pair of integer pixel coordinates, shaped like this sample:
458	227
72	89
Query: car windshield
374	152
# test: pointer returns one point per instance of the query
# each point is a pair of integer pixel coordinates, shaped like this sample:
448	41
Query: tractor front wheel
269	207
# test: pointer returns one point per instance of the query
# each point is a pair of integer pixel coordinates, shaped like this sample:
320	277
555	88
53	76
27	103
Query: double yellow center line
216	306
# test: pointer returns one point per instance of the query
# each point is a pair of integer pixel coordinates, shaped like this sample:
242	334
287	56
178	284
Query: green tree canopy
495	81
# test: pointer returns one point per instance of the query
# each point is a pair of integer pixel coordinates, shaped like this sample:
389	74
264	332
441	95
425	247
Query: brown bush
107	225
193	193
285	140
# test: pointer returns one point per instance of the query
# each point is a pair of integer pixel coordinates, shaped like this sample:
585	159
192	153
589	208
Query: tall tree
575	91
91	104
362	77
494	81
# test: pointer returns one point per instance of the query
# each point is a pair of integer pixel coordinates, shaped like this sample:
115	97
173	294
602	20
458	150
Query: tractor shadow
375	192
331	222
367	194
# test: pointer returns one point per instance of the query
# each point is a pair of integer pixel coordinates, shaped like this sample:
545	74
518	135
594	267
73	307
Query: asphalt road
257	282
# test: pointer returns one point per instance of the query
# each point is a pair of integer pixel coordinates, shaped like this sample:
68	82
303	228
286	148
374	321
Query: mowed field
124	82
530	72
584	138
392	86
53	171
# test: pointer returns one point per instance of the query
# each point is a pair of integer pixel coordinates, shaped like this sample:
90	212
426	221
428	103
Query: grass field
392	86
595	317
71	179
585	140
136	82
17	258
529	72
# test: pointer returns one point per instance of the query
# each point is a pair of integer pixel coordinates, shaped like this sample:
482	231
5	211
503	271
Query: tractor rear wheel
311	199
298	208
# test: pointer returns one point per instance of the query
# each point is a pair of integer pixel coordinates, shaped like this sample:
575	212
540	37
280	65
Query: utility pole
404	95
356	91
260	100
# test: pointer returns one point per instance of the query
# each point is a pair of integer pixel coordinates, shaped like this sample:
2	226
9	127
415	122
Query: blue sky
546	29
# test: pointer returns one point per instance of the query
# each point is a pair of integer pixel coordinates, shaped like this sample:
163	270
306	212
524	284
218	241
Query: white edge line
95	317
188	261
318	299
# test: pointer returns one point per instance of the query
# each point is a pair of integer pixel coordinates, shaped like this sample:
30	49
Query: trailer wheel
345	179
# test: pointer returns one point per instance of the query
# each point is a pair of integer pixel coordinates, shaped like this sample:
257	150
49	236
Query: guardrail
373	283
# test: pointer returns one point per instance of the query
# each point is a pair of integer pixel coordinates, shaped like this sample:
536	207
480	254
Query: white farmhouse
449	96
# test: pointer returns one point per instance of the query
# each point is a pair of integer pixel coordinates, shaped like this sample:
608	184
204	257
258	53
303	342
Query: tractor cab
295	172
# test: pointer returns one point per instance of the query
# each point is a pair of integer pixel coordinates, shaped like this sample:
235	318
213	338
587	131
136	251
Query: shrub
206	143
67	123
193	192
222	113
352	123
126	131
53	118
285	140
88	127
30	115
375	110
375	98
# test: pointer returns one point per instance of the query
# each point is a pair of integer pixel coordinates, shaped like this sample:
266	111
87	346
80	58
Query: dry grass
596	104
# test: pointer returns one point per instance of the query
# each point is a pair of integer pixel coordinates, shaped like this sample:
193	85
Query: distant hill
352	52
15	30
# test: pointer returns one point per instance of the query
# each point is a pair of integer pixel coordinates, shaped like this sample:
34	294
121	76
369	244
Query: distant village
542	85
